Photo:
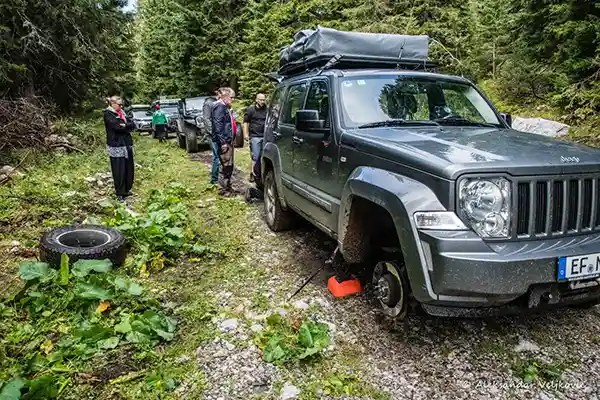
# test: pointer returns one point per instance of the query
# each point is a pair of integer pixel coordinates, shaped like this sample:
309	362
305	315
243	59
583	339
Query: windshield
140	114
369	100
194	104
169	108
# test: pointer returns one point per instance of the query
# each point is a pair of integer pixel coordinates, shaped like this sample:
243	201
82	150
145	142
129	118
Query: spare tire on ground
83	242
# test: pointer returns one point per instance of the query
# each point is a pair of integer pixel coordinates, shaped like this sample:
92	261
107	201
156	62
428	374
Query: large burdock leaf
92	290
82	268
12	389
36	270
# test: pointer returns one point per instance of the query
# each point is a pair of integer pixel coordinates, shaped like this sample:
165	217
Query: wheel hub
383	290
389	289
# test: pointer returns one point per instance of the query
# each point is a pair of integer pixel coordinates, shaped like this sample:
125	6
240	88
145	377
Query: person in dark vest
254	127
222	136
119	146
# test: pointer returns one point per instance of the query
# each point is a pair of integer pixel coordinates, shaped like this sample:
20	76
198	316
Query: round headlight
481	198
486	204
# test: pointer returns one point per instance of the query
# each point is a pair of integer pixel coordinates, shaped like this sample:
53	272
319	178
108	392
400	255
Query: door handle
297	140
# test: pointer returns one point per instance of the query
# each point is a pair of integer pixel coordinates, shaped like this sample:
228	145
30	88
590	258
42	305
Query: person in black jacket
119	144
222	135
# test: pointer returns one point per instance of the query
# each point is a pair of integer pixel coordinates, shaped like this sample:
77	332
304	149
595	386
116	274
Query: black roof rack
319	64
323	48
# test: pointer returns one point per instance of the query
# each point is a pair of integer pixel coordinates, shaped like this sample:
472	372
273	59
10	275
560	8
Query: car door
283	136
315	160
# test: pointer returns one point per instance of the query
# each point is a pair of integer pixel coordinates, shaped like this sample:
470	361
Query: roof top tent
166	101
325	47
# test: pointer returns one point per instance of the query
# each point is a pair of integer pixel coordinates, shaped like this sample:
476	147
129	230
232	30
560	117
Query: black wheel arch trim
401	197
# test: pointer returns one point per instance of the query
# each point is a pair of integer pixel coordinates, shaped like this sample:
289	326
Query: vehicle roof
139	106
376	72
167	101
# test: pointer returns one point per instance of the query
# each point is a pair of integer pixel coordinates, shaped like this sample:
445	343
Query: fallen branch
66	145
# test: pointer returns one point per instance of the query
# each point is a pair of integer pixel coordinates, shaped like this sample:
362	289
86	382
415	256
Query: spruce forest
522	52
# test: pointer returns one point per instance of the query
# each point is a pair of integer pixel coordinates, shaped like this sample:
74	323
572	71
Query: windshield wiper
465	121
397	122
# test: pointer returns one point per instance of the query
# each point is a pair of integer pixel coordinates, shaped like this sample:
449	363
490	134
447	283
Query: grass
53	192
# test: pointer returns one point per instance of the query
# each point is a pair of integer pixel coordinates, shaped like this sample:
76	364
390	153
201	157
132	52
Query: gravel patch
234	372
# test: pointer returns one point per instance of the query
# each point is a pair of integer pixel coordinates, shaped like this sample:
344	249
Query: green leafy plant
62	318
532	370
162	233
285	340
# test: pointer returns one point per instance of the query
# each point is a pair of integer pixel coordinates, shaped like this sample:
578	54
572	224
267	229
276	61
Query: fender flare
401	197
271	152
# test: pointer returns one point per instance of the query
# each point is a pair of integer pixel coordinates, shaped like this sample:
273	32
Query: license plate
579	267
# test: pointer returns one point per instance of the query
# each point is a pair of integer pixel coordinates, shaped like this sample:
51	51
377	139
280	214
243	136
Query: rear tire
191	141
181	140
277	218
83	242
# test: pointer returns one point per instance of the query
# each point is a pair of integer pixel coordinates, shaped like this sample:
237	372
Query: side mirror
308	121
507	117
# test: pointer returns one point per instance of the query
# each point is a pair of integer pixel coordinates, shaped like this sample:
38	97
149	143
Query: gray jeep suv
421	181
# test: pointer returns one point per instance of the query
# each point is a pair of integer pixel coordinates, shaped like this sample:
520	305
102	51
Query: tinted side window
318	99
293	103
272	120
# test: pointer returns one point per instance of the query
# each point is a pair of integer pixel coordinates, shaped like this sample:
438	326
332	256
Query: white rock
229	325
89	179
229	346
8	171
540	126
525	345
289	392
15	243
256	328
183	359
322	302
282	312
301	304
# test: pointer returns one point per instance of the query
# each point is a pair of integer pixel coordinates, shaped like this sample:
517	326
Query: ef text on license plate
579	267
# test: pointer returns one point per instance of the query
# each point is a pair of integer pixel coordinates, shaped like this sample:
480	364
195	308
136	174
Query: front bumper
465	271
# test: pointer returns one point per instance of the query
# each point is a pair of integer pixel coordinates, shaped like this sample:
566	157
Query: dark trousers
226	159
214	172
122	172
161	131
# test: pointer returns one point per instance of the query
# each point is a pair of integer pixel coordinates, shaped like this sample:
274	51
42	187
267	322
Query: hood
451	151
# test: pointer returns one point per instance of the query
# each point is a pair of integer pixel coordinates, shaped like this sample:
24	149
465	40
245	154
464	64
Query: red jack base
344	288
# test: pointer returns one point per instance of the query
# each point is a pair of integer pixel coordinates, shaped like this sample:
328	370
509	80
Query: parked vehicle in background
193	129
169	107
428	191
194	125
141	115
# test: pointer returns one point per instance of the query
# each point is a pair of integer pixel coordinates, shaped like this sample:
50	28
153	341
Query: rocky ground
549	356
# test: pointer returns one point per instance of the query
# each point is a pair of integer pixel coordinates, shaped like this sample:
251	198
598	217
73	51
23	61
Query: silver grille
555	206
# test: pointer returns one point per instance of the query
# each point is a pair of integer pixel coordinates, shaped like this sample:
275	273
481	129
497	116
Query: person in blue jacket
222	135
